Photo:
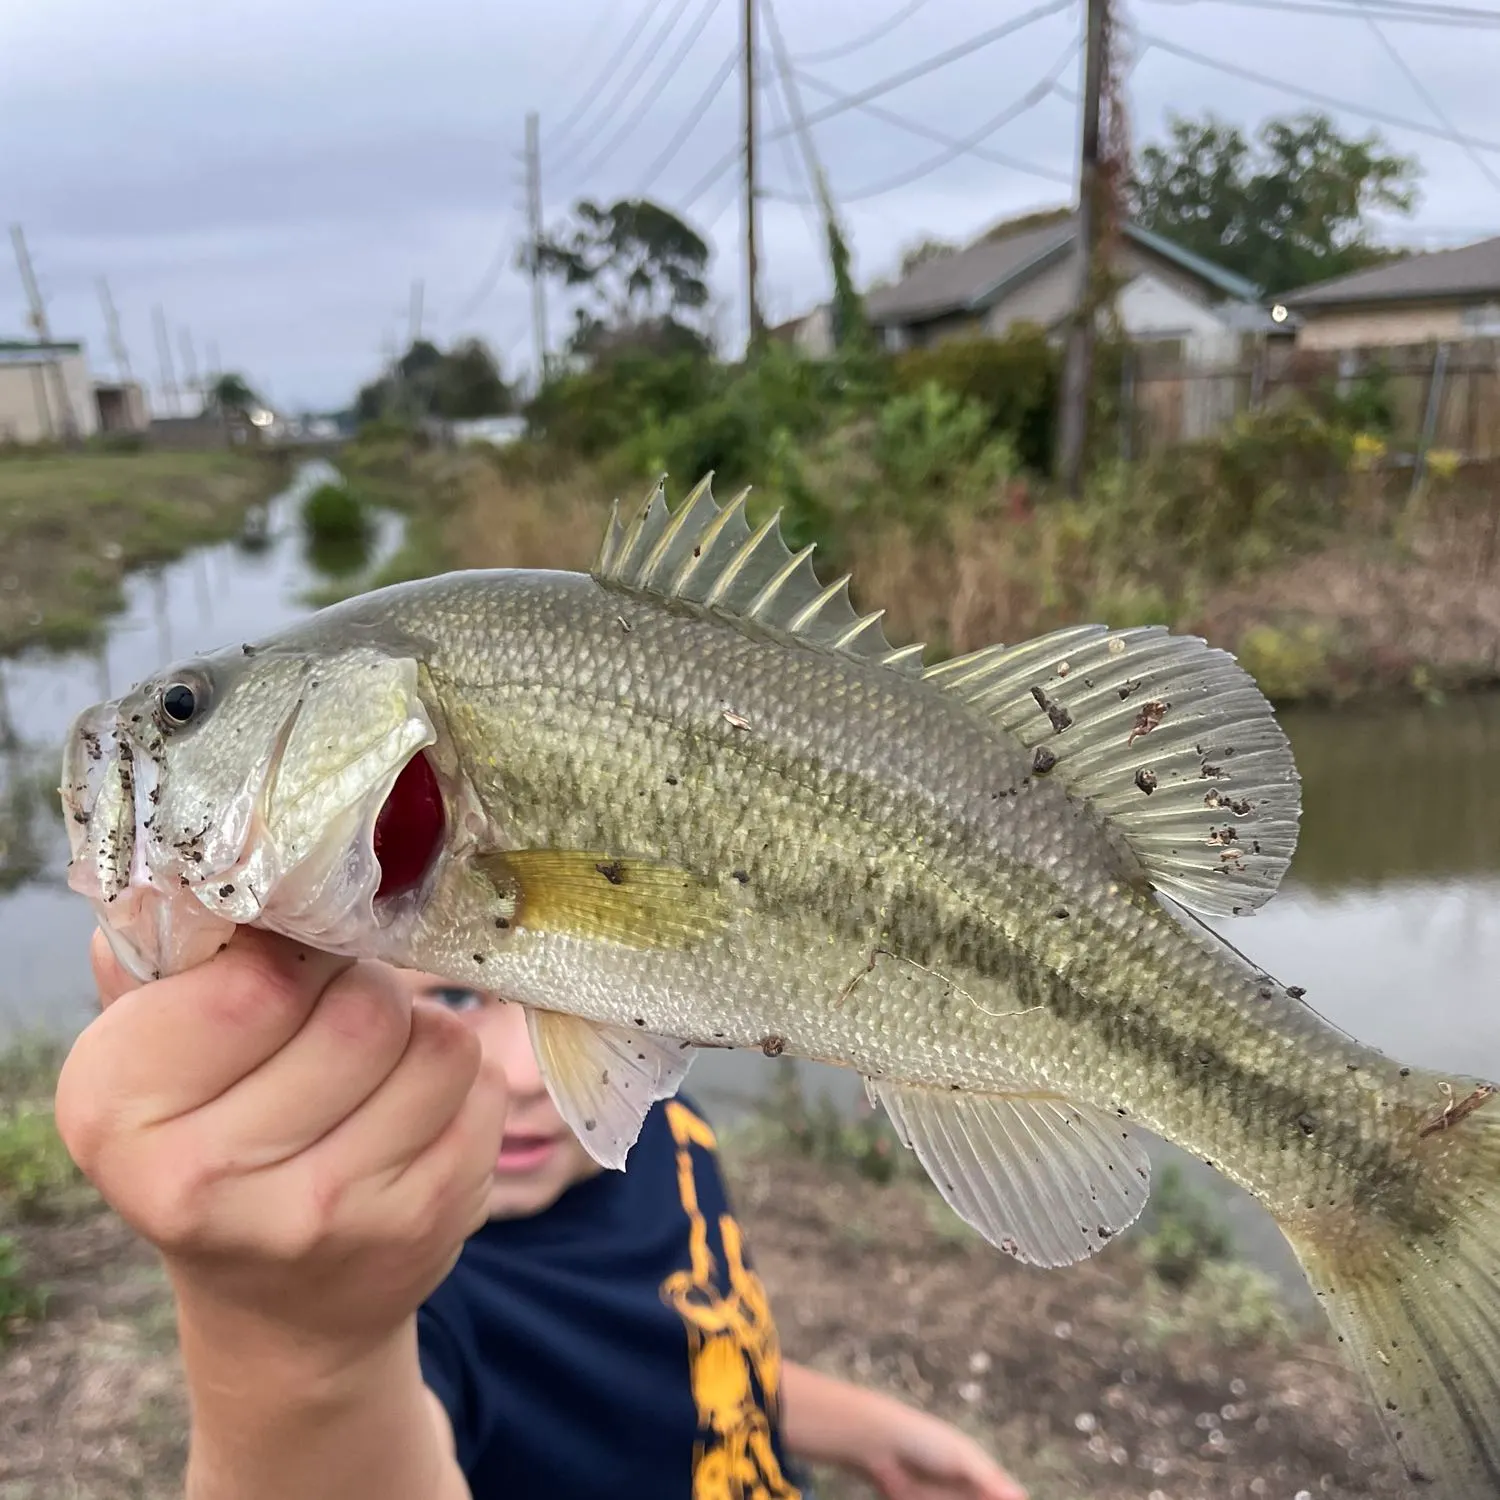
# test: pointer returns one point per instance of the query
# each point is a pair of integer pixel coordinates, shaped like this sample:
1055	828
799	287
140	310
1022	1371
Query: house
1026	271
46	393
1435	296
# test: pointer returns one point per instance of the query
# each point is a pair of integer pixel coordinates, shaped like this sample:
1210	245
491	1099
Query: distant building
1438	295
1025	271
122	406
46	392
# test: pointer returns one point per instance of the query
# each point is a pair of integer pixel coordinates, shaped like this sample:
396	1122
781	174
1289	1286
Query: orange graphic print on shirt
733	1350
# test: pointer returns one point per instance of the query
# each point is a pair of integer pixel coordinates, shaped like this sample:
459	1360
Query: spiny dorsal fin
1167	737
707	555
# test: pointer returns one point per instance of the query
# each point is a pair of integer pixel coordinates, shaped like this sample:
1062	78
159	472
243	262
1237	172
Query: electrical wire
1414	12
629	123
965	145
632	78
874	34
926	132
1328	100
1442	115
690	123
897	80
590	95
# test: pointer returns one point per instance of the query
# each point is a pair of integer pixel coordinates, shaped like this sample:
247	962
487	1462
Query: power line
895	81
632	78
694	115
965	145
874	34
628	124
1437	109
1414	12
591	94
970	145
1328	100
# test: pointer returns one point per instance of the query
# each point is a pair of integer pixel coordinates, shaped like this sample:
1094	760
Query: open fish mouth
380	830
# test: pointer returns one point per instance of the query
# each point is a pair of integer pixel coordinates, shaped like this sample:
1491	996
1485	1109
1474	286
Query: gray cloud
276	176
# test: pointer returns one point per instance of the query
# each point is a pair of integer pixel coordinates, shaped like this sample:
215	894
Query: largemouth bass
691	799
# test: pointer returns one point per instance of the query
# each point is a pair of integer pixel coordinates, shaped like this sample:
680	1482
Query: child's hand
915	1456
307	1148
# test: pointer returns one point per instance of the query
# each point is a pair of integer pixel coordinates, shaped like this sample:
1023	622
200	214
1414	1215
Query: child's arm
308	1150
903	1452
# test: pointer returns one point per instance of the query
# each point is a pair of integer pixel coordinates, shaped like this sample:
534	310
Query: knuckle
366	1012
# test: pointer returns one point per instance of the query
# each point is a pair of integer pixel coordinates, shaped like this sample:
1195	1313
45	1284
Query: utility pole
1079	368
38	320
534	237
164	362
190	364
112	328
414	323
752	268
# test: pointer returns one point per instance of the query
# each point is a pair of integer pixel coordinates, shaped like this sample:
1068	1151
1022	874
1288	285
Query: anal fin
1040	1177
604	1079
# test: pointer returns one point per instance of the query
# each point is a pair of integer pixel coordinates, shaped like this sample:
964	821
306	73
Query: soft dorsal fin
1165	736
707	555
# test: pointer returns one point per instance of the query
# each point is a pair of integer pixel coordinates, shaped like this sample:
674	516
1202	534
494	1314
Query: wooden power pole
1073	418
534	244
112	328
752	268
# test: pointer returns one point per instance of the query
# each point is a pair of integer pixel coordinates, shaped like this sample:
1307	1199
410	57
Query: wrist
257	1367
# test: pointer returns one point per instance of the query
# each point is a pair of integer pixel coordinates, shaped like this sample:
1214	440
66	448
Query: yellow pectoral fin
638	903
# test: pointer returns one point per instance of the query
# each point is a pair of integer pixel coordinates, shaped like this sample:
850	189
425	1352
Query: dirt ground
1084	1383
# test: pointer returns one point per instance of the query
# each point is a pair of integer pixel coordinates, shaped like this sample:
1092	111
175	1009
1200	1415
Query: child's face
540	1158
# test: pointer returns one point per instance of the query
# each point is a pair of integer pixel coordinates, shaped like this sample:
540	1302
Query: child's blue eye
457	997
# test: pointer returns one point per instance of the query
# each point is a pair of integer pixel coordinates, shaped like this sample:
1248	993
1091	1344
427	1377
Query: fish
690	798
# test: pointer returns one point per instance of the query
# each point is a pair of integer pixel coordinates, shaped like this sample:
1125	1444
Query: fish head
252	787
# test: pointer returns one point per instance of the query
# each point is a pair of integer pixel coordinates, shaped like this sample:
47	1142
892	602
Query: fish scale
691	798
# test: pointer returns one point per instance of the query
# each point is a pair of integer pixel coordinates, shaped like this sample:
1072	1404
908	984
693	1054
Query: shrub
334	513
1186	1236
1014	380
36	1171
20	1301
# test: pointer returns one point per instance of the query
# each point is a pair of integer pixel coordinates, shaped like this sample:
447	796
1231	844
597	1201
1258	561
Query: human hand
307	1147
915	1456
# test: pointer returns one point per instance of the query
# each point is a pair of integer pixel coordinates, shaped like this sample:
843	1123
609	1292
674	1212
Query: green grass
73	524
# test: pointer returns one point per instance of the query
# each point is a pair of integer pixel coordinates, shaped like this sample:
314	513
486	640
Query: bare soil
1059	1373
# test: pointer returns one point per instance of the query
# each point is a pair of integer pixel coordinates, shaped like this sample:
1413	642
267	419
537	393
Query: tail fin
1414	1296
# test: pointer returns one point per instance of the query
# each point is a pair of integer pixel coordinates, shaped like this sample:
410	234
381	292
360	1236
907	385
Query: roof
983	271
1469	271
31	346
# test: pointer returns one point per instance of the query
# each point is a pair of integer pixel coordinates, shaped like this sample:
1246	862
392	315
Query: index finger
163	1048
110	977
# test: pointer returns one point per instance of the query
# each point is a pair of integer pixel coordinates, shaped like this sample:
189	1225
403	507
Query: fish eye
179	702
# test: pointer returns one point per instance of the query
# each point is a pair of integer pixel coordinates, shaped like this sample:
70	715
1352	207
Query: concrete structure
1026	272
45	391
122	406
1436	296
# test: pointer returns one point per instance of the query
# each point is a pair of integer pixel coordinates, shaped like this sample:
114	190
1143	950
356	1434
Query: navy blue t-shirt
618	1343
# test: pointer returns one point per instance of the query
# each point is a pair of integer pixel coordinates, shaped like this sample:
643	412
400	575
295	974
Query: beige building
46	393
1439	296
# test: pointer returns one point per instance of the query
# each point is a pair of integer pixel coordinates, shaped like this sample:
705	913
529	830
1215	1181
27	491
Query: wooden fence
1444	396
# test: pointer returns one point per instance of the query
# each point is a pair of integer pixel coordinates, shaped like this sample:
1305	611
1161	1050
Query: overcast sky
276	175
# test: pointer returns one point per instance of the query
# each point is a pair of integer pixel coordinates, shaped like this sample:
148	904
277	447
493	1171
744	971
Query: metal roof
1469	271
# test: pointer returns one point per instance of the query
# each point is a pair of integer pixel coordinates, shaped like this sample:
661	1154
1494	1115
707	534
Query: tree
642	269
462	383
231	395
923	251
1288	210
